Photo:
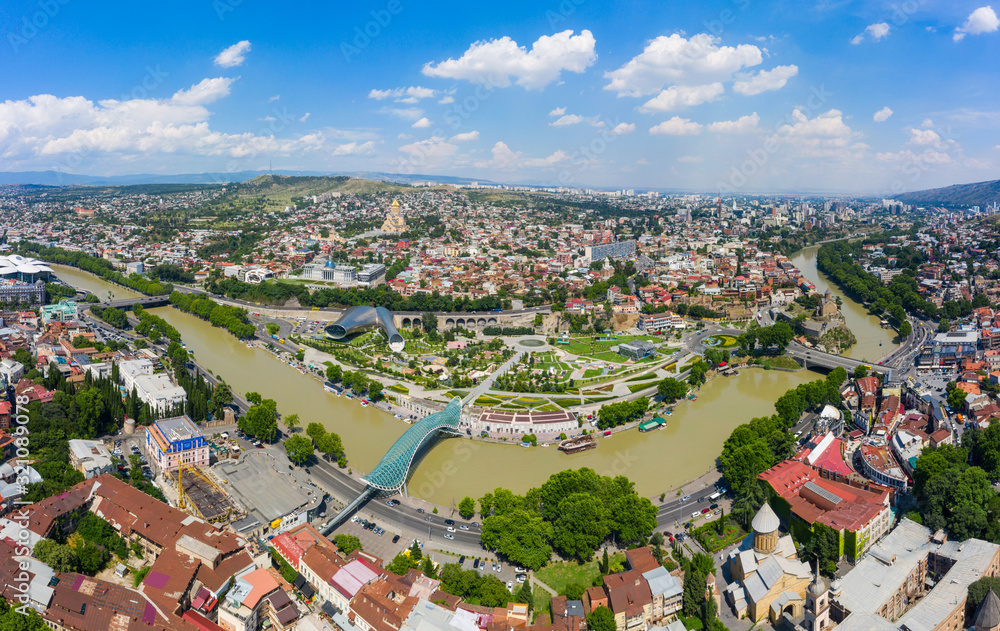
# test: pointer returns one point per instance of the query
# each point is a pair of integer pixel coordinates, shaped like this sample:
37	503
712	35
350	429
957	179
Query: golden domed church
394	222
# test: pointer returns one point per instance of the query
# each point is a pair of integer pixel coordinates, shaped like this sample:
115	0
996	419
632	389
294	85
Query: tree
429	321
978	590
944	325
467	507
347	543
254	398
861	372
671	389
601	619
61	558
299	449
292	421
334	373
520	536
374	390
331	445
315	430
581	526
905	329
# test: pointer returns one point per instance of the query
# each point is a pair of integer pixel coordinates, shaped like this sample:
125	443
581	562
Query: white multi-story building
152	388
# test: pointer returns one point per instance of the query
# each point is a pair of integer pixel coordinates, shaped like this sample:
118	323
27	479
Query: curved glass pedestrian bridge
391	471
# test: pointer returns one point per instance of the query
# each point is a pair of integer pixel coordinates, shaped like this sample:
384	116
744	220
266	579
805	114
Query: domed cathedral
394	222
765	530
768	580
988	614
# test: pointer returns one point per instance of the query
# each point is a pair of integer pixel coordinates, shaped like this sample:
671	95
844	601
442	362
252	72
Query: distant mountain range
980	194
57	178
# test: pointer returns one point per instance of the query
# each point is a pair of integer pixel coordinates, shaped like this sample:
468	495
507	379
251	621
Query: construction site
203	497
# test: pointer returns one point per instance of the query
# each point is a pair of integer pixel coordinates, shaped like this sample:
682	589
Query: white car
450	529
510	585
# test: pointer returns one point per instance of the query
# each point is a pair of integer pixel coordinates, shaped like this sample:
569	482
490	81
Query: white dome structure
766	520
22	268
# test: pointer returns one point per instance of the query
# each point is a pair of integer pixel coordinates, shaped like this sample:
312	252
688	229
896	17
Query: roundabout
721	341
532	343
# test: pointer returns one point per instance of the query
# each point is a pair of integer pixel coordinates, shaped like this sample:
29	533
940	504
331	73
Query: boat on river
578	444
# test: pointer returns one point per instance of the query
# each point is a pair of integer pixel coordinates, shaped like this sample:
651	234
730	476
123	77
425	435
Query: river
873	340
453	468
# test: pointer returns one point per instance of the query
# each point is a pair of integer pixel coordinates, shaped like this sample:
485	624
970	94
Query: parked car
475	564
395	539
461	559
705	510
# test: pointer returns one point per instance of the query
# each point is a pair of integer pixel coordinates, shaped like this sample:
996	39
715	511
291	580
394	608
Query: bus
715	496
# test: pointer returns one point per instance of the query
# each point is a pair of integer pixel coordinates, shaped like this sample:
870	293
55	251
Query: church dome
766	520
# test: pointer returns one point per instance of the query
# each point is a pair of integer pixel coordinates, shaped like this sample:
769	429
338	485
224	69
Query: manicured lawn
592	372
566	403
635	387
709	536
485	400
782	361
559	576
399	388
548	407
642	377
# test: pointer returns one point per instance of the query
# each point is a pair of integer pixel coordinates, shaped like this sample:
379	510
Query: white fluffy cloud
45	128
825	136
406	113
882	115
675	60
676	126
496	61
678	97
926	157
982	20
468	136
430	150
924	137
411	94
423	123
742	125
504	158
765	80
204	92
355	149
875	31
559	111
234	55
575	119
621	129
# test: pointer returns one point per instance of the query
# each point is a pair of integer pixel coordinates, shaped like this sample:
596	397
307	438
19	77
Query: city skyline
731	97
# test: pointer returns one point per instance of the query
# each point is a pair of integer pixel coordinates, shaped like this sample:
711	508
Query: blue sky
727	96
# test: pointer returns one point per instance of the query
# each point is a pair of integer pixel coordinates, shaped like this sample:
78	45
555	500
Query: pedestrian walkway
487	383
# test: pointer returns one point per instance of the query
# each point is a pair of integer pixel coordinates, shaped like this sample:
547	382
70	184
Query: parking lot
385	548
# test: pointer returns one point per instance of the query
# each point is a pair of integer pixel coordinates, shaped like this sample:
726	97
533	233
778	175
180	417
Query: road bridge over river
810	358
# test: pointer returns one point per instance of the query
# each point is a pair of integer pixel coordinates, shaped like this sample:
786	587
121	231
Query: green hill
980	194
284	188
